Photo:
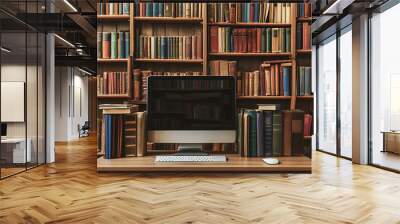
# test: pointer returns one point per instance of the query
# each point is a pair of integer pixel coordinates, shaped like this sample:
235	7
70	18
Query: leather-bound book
256	89
106	45
260	133
214	39
136	84
267	115
287	132
297	132
232	12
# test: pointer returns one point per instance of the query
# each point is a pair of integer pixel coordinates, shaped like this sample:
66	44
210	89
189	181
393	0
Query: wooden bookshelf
177	26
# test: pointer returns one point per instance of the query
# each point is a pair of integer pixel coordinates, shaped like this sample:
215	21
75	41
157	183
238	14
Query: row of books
304	81
266	40
303	36
113	44
304	9
112	83
270	132
273	80
250	12
170	47
114	145
113	8
158	9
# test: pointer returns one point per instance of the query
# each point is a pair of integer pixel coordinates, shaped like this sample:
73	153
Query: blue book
126	9
161	10
286	81
256	11
121	45
120	8
155	9
163	47
127	44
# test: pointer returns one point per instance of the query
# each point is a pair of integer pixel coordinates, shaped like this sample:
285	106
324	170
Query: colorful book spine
174	10
113	45
170	47
253	12
112	83
304	78
113	8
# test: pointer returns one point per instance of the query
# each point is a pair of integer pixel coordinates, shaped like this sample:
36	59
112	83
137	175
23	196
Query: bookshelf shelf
264	97
113	17
304	19
307	137
192	61
249	54
168	19
113	96
305	97
251	24
303	51
108	60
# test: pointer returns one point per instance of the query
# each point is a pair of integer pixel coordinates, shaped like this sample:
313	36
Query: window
345	42
326	103
385	85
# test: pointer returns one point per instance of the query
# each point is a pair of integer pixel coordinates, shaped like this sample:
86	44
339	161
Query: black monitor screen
191	103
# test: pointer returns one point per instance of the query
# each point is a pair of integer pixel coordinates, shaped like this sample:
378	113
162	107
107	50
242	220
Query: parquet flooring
71	191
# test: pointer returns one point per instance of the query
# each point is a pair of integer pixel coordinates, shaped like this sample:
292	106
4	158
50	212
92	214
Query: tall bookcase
139	25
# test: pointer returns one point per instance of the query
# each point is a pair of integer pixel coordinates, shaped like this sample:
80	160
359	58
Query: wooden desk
391	141
235	163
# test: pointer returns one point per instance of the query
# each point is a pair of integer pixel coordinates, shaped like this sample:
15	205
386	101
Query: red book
307	10
259	31
307	124
254	40
249	40
251	12
306	36
214	39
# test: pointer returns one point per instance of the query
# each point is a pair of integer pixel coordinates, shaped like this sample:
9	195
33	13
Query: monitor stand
190	150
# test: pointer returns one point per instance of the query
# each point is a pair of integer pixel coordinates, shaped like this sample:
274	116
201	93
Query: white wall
71	102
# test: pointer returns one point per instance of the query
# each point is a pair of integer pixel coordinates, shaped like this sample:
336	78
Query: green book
114	45
287	34
240	133
268	40
263	44
252	133
277	133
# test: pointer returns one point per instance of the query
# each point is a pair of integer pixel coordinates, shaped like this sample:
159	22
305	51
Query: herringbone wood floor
70	191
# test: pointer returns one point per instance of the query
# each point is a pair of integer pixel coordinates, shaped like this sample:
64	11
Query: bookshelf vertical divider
293	55
205	37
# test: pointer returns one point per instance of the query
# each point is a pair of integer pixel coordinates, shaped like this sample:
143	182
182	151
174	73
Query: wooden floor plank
72	191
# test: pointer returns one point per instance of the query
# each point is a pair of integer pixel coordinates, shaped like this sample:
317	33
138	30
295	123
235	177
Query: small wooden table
391	141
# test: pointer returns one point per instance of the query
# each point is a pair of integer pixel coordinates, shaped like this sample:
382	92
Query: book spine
114	45
277	134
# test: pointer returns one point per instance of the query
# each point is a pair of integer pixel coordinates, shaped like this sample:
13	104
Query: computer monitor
191	110
3	130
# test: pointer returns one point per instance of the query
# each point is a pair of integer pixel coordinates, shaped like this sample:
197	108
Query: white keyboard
205	159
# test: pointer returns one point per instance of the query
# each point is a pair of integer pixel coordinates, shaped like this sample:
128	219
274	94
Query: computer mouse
271	161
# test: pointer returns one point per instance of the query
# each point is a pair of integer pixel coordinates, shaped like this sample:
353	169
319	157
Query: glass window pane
385	84
346	93
327	95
